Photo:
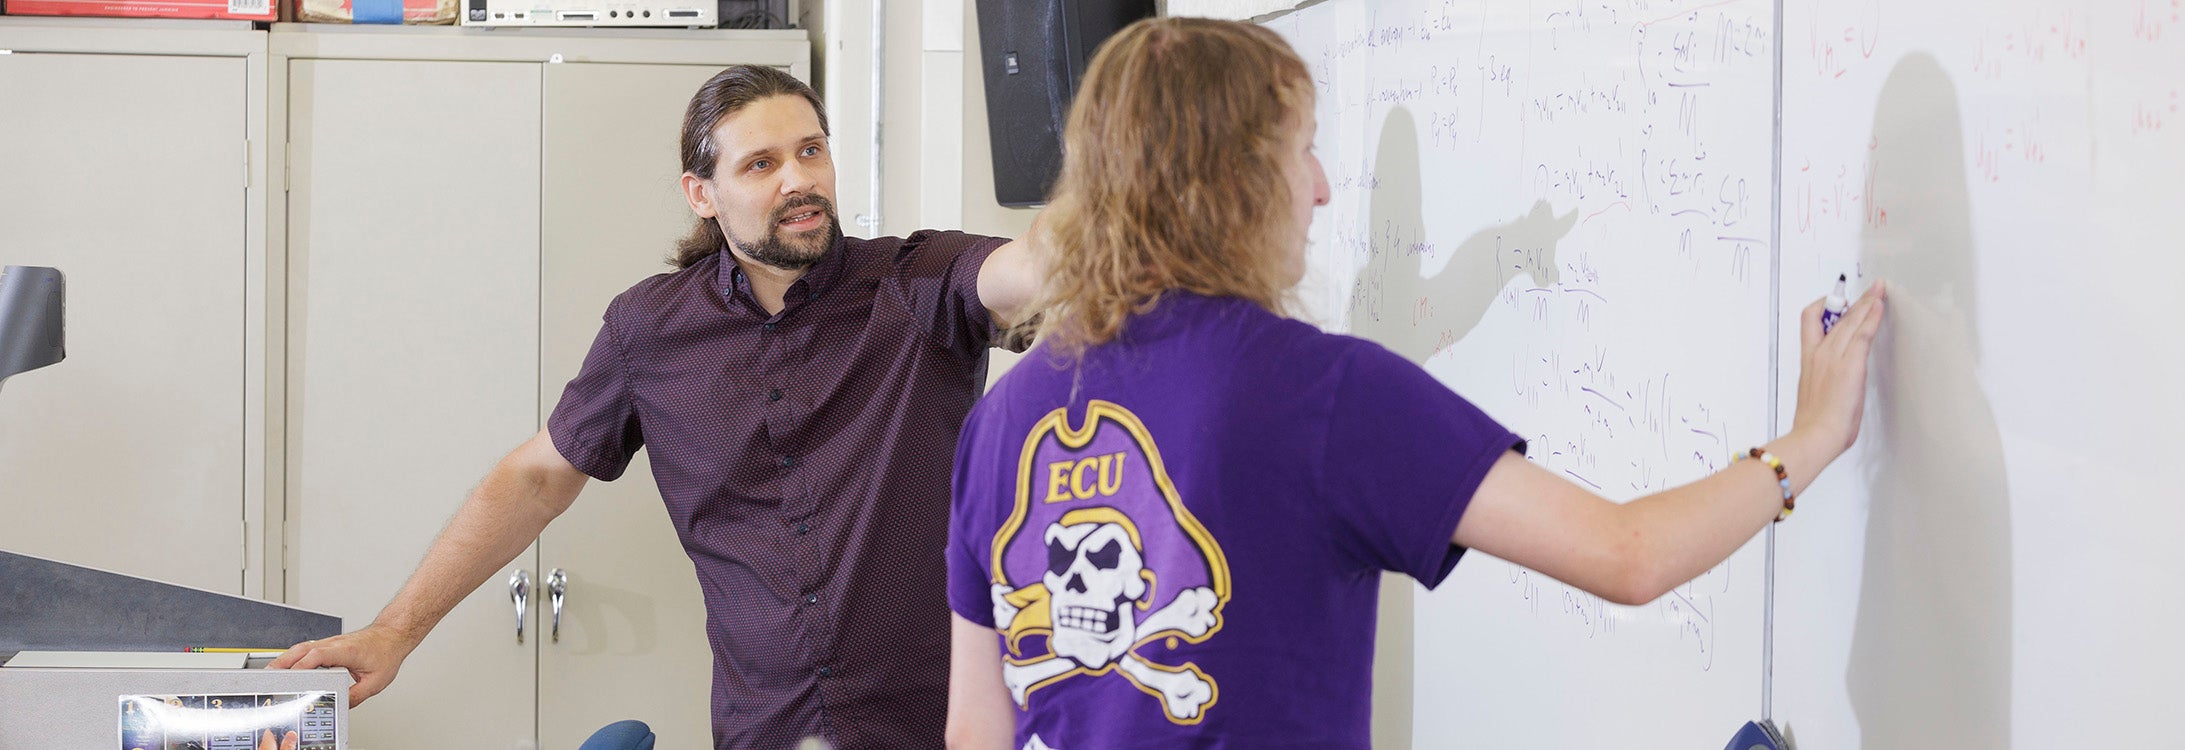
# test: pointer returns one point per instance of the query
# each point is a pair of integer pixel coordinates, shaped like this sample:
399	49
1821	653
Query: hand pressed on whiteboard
1631	553
1832	369
287	742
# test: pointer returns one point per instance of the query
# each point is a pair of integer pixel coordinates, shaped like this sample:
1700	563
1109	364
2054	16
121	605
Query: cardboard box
249	10
411	12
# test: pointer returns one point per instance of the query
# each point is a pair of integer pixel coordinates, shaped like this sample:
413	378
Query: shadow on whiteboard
1394	301
1930	662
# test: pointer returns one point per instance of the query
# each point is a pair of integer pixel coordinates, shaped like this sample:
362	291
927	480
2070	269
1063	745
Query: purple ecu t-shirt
1181	543
804	459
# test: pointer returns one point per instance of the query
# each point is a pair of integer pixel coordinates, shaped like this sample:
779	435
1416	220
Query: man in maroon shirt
801	393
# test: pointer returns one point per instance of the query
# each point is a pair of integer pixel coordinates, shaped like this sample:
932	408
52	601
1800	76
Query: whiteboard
1564	214
1993	565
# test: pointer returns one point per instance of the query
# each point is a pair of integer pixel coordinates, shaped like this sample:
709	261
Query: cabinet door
127	173
413	321
633	643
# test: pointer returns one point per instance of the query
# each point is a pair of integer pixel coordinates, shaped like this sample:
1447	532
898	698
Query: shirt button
804	528
826	671
768	327
813	599
773	395
788	461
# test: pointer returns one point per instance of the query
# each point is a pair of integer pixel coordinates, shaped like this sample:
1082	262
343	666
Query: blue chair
621	735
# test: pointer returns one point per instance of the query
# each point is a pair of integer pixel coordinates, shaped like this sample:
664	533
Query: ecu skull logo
1101	563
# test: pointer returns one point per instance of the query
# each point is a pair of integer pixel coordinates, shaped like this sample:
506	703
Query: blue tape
375	11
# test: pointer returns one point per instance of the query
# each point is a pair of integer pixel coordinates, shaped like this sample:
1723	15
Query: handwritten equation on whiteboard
2020	73
1565	214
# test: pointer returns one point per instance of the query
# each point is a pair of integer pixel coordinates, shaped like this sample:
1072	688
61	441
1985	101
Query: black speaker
1034	53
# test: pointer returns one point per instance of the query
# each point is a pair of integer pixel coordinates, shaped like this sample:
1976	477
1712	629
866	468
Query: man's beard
792	254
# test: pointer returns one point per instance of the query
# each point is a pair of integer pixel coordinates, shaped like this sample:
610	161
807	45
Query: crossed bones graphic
1184	691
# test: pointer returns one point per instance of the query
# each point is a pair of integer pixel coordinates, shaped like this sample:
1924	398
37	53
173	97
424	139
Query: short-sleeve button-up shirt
804	457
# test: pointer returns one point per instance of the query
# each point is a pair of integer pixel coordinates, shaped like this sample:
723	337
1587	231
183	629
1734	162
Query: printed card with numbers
265	721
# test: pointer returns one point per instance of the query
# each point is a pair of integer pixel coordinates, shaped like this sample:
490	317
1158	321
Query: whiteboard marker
1832	309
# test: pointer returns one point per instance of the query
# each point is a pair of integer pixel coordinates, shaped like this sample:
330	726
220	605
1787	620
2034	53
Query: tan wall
905	101
930	180
981	212
905	97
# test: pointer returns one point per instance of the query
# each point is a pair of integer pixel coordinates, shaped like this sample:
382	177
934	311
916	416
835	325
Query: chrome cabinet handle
519	590
557	583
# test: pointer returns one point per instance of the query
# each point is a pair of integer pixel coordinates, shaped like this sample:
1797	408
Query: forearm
980	714
1679	533
1634	552
497	522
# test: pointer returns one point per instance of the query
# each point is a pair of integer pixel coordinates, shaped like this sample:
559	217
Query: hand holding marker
1832	309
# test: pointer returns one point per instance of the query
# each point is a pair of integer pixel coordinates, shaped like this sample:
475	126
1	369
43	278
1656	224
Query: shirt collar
732	281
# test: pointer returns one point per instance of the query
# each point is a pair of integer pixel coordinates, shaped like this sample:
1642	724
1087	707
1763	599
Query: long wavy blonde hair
1172	177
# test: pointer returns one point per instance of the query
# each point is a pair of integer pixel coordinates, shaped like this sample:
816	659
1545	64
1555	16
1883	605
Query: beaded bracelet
1782	479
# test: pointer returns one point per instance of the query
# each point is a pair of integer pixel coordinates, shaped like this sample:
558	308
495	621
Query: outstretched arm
528	488
1634	552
